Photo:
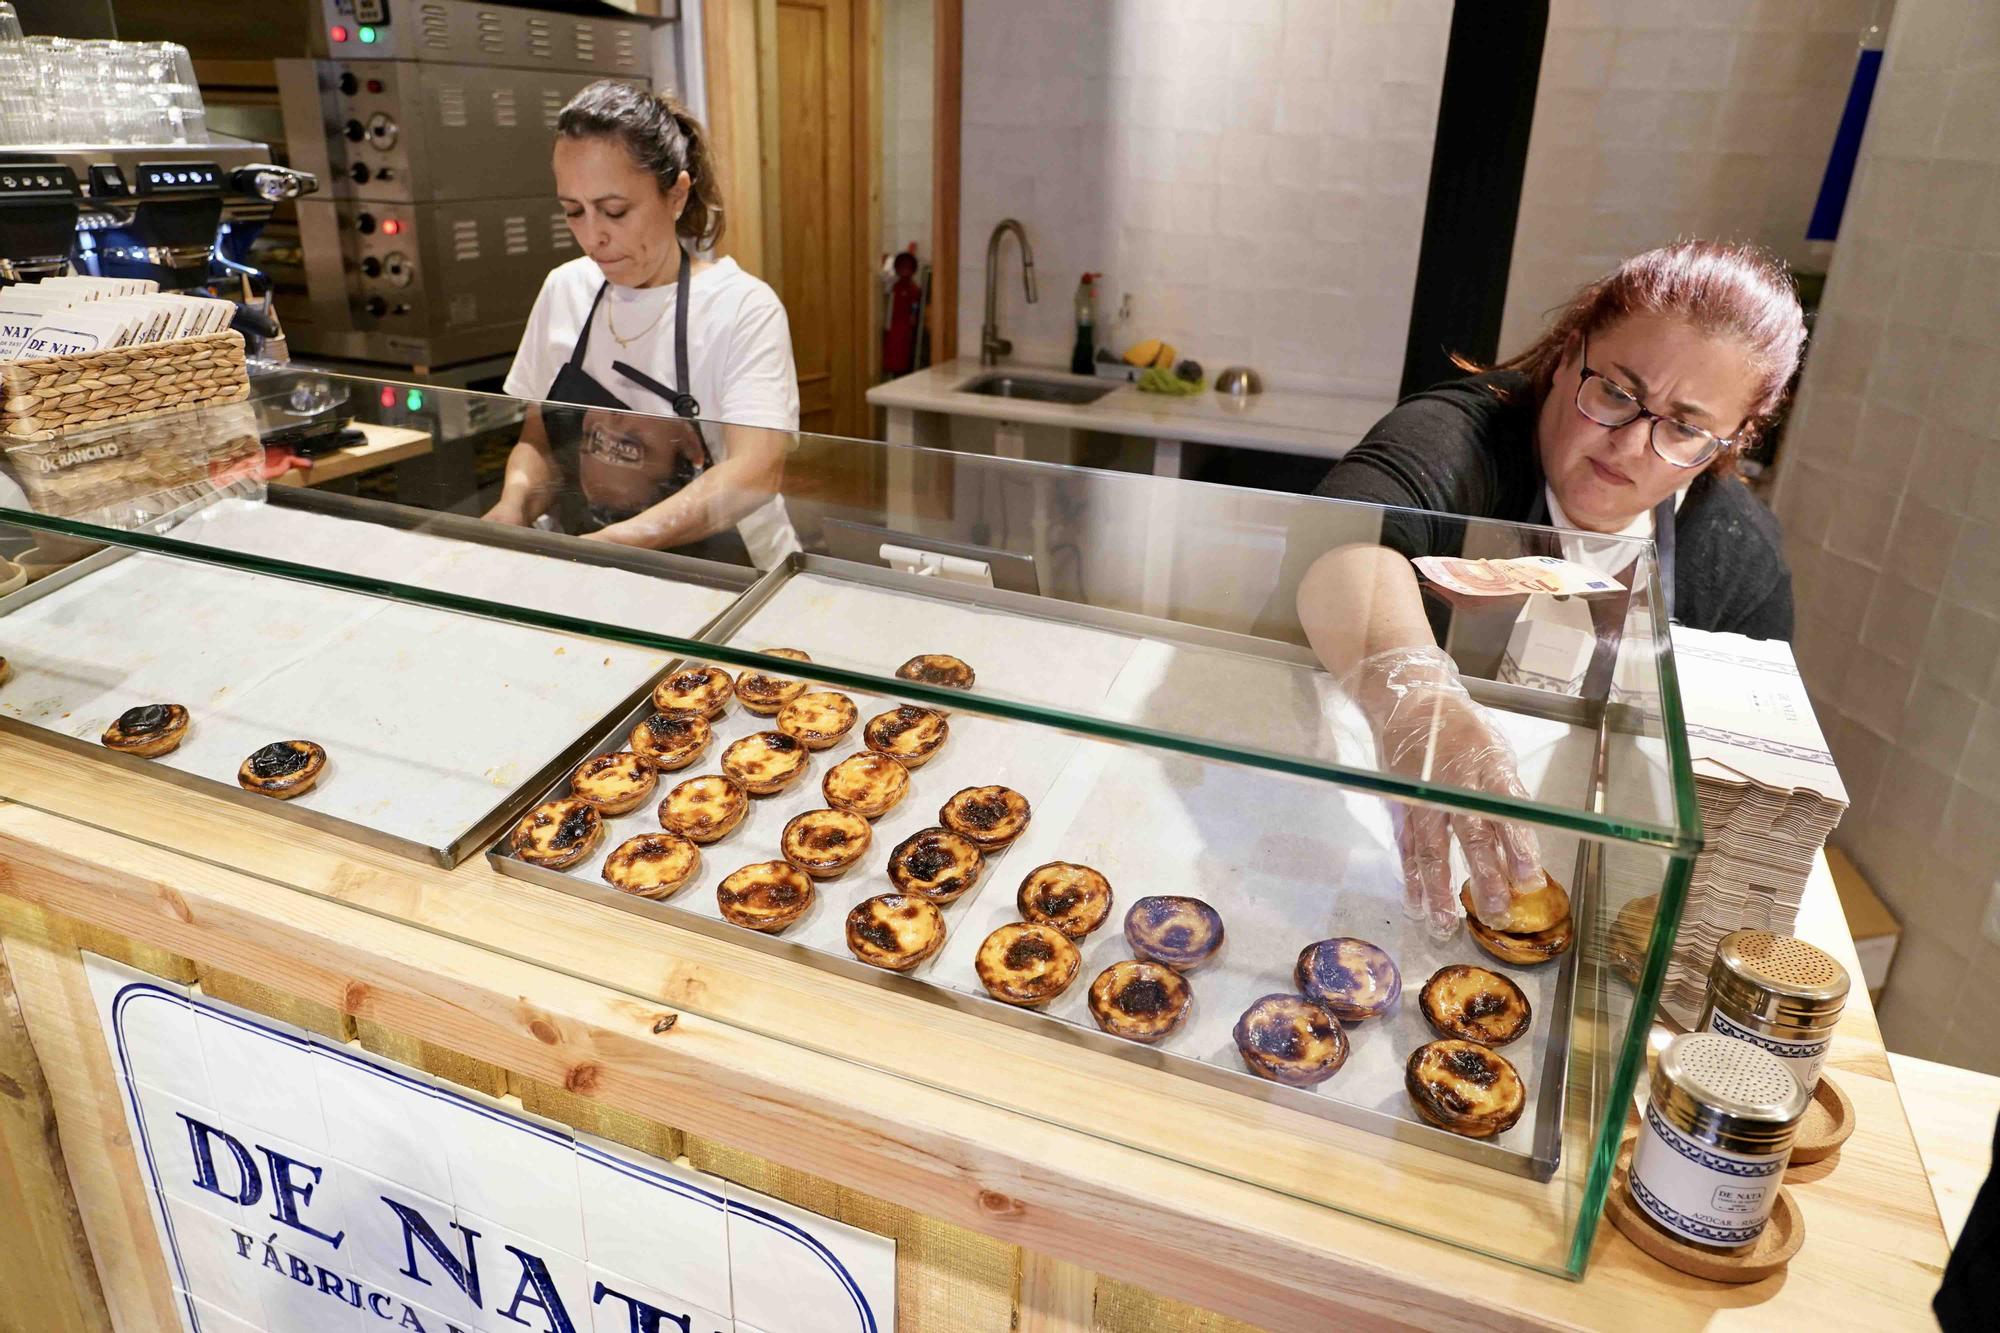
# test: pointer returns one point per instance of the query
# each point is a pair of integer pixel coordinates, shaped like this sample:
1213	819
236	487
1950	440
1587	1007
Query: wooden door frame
739	61
947	93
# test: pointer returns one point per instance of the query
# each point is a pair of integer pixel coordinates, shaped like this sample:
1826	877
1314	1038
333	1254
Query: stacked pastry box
82	359
1769	795
66	316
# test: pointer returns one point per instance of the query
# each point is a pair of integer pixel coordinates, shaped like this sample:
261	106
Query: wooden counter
799	1068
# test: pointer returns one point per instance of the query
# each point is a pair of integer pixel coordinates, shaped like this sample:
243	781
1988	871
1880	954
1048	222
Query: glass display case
459	633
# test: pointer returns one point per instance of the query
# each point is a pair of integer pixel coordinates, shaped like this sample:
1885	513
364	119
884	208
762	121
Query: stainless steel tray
1063	774
232	643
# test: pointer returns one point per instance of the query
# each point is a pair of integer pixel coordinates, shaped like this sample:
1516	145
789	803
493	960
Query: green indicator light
368	35
414	402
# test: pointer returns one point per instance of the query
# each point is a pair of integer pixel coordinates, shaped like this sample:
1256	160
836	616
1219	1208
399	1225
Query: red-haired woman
1625	417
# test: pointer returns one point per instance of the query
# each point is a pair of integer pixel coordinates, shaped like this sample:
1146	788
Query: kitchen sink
1006	384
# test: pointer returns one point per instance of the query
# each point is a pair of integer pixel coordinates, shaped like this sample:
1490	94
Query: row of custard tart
705	691
280	770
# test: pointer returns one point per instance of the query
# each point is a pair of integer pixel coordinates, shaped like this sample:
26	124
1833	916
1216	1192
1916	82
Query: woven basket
134	471
50	396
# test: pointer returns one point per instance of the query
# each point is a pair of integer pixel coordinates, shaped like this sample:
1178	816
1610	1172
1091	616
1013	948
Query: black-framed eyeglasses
1604	402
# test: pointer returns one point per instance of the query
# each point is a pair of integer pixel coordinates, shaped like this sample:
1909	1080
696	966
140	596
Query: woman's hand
1426	726
619	534
508	512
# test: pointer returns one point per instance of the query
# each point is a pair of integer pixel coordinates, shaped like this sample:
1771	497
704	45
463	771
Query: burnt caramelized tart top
559	833
671	741
1472	1004
1026	963
702	690
765	762
1465	1088
866	784
1175	931
765	694
937	669
818	719
652	865
824	843
895	931
148	730
615	783
937	864
767	896
282	769
1139	1001
1073	898
988	817
908	734
1291	1040
1354	979
705	809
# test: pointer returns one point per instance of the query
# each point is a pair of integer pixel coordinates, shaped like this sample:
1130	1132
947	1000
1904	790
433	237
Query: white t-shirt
739	350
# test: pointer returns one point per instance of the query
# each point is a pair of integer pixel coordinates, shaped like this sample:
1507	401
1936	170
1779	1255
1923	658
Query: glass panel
1145	683
1173	607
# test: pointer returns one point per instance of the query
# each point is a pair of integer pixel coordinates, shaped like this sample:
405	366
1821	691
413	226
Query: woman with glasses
1626	417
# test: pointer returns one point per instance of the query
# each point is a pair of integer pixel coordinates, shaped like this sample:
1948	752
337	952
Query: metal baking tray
387	686
1062	775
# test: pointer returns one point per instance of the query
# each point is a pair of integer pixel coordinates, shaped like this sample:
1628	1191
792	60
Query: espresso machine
181	214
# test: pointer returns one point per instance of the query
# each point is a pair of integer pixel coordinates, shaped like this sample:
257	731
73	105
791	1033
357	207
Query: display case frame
1581	1165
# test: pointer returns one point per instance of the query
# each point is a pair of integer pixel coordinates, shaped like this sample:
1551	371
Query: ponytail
663	138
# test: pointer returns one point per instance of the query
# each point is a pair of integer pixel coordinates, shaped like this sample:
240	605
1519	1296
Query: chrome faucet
991	345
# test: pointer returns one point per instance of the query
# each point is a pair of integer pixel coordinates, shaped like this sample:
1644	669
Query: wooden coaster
1828	1120
1768	1254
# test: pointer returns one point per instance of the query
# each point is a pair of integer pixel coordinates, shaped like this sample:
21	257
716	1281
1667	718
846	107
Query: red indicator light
374	85
390	226
337	32
388	396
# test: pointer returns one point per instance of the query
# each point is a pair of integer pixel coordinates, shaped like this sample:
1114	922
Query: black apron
575	386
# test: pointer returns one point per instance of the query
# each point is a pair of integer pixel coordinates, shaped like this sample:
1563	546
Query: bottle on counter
1083	359
1715	1138
1777	993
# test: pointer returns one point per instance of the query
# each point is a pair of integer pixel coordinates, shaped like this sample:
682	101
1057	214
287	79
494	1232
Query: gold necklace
622	340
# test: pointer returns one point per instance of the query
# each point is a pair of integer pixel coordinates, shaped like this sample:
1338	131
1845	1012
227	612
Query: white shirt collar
1588	549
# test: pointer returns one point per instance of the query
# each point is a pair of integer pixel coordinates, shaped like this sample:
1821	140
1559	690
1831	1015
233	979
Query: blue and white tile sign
302	1187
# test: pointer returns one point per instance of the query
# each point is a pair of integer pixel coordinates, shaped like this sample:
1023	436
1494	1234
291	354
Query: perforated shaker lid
1778	977
1743	1082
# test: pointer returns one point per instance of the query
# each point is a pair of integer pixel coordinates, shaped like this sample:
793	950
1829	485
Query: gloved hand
1426	726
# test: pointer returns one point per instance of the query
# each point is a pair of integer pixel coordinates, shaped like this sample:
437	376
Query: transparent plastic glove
1426	726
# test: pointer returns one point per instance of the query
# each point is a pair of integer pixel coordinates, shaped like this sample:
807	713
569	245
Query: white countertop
1317	425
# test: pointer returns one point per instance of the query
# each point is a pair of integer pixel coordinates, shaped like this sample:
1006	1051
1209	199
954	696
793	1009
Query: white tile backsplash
261	1072
612	1315
524	1280
159	1043
210	1268
1165	145
385	1116
538	1186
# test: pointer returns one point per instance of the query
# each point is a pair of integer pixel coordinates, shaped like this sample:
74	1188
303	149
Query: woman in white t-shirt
678	372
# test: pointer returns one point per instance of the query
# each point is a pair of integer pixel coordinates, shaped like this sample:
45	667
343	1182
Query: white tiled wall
1655	121
1253	173
907	114
1889	490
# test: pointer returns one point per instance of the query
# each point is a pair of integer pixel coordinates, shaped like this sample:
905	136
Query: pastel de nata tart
989	817
819	720
824	843
765	694
705	809
617	784
149	731
703	690
1521	949
767	896
1472	1004
671	741
1354	979
1290	1040
1026	963
936	864
765	762
866	784
1532	906
1464	1087
908	734
937	669
558	834
1074	899
1139	1001
895	931
282	769
652	865
1631	933
1181	933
